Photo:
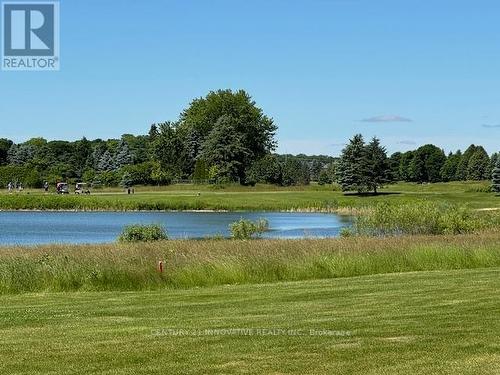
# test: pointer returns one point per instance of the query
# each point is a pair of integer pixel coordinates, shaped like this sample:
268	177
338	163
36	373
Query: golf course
428	322
472	194
414	304
249	187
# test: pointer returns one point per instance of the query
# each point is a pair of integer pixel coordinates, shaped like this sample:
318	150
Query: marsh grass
422	217
211	262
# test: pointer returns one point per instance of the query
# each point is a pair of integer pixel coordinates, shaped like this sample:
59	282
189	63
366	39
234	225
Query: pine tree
224	147
20	154
478	166
450	167
200	173
106	162
463	165
496	177
352	168
126	180
378	169
493	163
123	155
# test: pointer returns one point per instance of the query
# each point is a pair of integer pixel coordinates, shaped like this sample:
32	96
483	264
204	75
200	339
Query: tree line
366	167
225	137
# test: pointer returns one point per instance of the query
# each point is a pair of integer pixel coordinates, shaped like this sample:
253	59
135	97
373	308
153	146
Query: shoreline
342	212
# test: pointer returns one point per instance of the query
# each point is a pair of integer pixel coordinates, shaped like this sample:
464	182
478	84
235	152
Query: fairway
440	322
473	195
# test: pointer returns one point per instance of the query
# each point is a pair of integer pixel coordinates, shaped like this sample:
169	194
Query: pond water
33	228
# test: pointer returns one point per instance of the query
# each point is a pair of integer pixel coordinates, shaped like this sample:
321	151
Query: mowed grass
261	197
203	263
441	322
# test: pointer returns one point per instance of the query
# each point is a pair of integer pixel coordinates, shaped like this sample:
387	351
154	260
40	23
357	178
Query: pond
34	228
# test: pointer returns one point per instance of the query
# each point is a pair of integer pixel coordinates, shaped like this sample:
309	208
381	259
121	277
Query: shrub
143	233
245	229
346	232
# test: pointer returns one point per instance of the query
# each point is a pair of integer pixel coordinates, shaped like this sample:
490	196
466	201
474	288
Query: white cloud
387	118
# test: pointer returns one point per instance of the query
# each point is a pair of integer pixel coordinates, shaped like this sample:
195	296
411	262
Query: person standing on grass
9	187
46	186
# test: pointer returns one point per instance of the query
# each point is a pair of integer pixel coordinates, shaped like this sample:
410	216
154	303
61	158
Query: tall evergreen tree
123	155
404	165
106	162
463	165
478	166
81	156
225	149
352	168
394	163
450	167
5	144
377	168
496	177
20	154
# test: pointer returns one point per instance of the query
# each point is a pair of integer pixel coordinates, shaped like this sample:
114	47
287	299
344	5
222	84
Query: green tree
126	180
295	172
256	130
123	155
168	149
353	166
20	154
404	166
106	162
82	153
5	145
378	168
463	165
496	177
200	173
324	178
394	163
225	148
478	166
266	170
427	163
450	166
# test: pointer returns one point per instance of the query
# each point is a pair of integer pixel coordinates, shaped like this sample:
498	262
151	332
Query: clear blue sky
408	71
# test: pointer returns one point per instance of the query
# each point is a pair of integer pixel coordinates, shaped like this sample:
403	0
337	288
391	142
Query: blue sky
410	72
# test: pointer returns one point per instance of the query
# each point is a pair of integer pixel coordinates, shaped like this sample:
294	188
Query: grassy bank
211	262
443	322
261	197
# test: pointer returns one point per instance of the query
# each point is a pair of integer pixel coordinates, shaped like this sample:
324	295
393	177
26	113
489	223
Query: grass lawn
261	197
430	322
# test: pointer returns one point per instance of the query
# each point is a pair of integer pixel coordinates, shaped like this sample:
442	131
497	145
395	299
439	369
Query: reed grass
214	262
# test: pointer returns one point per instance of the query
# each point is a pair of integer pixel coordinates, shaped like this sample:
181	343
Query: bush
245	229
143	233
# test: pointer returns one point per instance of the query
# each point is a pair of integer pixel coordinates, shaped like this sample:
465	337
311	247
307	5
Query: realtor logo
30	35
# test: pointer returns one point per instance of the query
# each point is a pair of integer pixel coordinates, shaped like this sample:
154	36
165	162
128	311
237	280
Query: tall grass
209	262
422	217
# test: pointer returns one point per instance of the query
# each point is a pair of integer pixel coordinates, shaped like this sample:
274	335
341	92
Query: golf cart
62	188
81	188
